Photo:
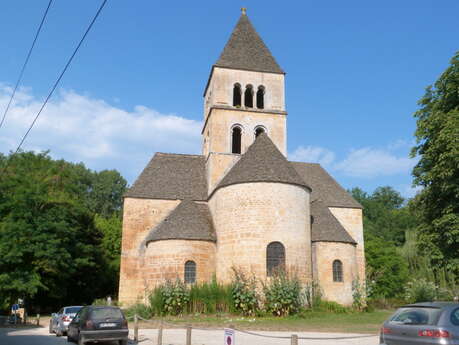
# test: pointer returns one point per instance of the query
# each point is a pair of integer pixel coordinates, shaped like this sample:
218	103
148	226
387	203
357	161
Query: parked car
59	321
98	323
422	323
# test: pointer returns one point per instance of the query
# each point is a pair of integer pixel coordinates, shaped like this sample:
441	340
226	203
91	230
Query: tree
437	172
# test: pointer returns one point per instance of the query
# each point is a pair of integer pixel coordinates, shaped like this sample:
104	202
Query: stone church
240	203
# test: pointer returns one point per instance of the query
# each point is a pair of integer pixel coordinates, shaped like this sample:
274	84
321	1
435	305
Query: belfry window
259	130
275	258
237	95
261	97
190	272
337	271
248	96
236	135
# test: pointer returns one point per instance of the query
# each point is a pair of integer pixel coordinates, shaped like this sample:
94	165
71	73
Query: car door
74	325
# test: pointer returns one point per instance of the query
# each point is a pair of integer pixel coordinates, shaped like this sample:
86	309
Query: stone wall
324	253
249	216
217	166
139	217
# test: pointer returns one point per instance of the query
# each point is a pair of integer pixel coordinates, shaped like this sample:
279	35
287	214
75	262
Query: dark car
97	324
422	324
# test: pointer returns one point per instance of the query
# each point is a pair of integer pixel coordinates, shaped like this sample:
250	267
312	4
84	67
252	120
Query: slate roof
324	187
325	227
188	221
246	50
172	176
262	162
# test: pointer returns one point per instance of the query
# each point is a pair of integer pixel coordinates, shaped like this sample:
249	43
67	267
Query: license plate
107	324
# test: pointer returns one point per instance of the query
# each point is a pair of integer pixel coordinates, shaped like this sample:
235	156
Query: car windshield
72	310
417	316
106	313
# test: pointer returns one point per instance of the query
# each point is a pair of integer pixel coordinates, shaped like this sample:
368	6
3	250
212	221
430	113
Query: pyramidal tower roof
246	50
263	162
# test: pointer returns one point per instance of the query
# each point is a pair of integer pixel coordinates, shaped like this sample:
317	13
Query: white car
59	322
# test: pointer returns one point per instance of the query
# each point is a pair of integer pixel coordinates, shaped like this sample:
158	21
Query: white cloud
370	162
312	154
80	128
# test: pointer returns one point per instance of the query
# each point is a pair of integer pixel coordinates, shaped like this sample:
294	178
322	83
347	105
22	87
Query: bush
358	295
176	297
140	309
312	295
420	290
157	301
244	294
282	295
333	307
210	298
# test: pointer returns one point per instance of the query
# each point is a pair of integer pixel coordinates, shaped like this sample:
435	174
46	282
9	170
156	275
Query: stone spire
246	50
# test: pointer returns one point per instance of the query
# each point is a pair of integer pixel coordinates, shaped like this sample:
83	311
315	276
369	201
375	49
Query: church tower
244	97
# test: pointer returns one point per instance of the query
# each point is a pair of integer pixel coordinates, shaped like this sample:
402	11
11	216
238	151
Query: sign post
229	337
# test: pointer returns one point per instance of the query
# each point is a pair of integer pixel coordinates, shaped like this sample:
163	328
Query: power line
55	84
25	62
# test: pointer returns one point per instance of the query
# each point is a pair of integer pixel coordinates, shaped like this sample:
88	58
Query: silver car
59	322
422	324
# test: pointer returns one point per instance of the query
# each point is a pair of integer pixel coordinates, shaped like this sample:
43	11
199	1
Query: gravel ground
40	336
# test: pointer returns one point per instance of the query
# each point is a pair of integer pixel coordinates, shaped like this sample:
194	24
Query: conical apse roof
246	50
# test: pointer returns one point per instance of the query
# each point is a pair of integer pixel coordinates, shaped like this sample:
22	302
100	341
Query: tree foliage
51	248
437	172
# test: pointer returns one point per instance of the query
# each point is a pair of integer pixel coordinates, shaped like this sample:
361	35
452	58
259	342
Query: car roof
430	305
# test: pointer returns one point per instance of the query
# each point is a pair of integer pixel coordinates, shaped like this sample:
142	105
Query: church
241	203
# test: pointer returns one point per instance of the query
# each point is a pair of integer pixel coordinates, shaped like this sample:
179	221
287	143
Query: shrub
244	293
210	298
312	294
333	307
358	295
140	309
157	301
282	295
420	290
176	297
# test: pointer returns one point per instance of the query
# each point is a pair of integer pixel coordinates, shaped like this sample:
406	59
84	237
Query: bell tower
244	97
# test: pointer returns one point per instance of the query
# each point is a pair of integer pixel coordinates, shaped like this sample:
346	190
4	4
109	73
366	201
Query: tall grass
210	298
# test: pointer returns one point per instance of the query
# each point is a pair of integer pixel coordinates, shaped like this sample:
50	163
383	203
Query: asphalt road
40	336
32	336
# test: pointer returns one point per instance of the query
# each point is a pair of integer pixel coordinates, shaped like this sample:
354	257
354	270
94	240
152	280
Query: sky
355	72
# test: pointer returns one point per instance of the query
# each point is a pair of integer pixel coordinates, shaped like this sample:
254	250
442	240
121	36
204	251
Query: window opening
337	271
236	139
275	258
237	95
258	131
248	96
190	272
261	97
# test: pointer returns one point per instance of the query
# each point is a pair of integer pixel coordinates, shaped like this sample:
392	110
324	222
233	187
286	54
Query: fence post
294	339
38	319
160	333
188	335
136	328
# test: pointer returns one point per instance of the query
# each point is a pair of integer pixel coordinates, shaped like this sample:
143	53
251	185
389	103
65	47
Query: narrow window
248	96
261	97
190	272
237	95
275	258
236	139
337	271
259	130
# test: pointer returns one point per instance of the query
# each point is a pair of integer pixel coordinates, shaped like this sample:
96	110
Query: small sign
229	336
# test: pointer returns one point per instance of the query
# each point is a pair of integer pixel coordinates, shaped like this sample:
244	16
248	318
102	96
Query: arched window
337	271
248	96
275	258
190	272
236	134
261	97
259	130
237	95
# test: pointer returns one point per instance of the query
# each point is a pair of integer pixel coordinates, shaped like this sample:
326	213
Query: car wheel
50	327
69	339
80	339
123	342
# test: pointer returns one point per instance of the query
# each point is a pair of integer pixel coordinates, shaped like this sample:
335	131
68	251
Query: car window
72	310
417	316
106	313
455	317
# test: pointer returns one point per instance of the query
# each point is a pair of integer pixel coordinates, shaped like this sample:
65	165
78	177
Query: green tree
437	172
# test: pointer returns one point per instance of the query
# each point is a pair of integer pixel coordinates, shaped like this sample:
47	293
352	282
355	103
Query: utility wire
55	84
25	62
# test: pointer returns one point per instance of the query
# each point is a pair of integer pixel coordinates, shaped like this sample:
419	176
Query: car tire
123	342
80	339
50	327
69	339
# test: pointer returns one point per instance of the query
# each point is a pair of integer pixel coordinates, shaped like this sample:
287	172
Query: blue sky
355	71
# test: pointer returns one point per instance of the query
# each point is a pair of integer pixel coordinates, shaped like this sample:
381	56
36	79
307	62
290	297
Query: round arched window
337	271
275	258
190	272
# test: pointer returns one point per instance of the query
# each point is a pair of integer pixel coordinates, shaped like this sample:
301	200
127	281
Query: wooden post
136	328
160	333
38	319
188	335
294	339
